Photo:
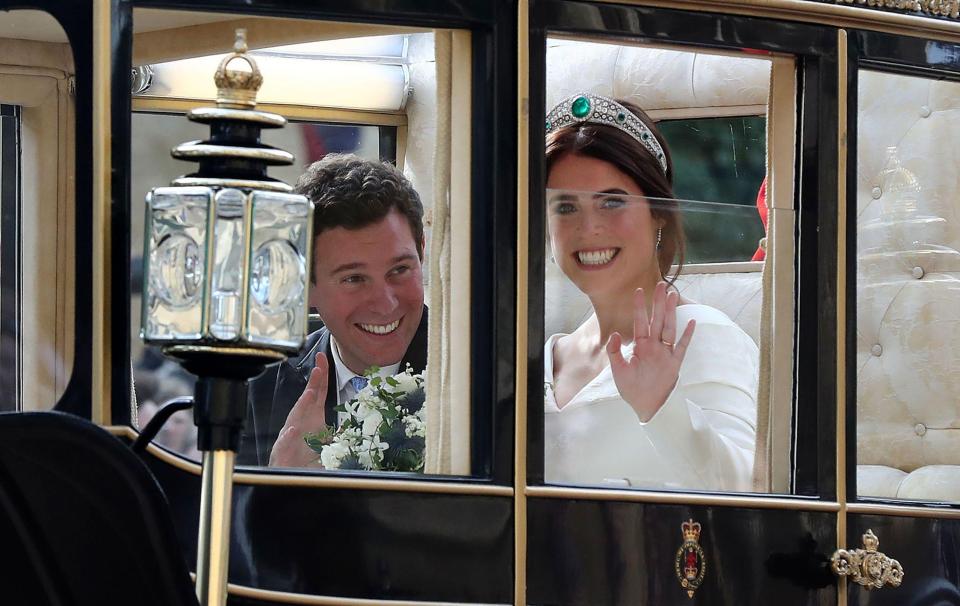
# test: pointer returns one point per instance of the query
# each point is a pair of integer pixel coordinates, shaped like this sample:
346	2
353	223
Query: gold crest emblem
690	564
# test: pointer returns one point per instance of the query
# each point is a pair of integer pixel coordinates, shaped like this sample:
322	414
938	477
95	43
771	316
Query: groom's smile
380	329
369	290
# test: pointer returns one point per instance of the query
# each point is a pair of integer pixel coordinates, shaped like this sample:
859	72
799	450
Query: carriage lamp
226	253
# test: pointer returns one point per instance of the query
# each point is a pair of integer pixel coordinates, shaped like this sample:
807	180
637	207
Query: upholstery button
925	111
917	272
920	429
876	192
877	350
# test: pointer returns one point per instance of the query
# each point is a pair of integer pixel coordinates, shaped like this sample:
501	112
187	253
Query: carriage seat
738	294
908	321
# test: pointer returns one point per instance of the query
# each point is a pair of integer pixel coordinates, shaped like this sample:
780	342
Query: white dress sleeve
706	430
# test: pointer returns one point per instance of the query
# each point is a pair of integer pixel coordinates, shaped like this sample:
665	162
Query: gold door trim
841	311
522	308
284	597
807	11
100	237
914	511
324	481
680	498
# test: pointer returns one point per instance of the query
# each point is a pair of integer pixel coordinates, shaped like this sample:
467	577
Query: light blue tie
358	383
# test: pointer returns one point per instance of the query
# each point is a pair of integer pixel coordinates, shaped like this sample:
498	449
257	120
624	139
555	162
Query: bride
652	390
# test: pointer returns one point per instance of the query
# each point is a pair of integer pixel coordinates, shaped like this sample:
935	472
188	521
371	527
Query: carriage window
661	388
908	280
362	101
36	211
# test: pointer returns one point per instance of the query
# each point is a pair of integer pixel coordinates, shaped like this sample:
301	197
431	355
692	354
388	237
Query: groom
367	285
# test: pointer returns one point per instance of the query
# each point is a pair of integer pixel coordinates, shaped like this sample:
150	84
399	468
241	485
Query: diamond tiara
597	109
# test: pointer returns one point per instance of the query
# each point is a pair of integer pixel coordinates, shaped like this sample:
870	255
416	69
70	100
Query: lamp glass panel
229	257
176	251
278	268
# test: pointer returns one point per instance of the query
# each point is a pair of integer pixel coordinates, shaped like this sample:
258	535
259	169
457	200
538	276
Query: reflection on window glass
647	407
908	285
722	160
158	379
652	390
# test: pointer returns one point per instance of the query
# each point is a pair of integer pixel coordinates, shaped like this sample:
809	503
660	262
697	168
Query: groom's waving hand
307	414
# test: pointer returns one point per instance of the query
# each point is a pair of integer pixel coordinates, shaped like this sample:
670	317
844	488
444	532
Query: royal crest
690	564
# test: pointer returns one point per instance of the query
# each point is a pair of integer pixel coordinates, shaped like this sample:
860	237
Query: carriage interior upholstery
908	265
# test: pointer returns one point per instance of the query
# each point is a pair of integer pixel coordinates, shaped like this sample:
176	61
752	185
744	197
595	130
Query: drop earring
659	238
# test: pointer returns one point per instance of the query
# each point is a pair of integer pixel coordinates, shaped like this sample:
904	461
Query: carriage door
902	242
747	107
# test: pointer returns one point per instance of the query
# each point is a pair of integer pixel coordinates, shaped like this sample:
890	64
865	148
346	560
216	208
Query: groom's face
369	290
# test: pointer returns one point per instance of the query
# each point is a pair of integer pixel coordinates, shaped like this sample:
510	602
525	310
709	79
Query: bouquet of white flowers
384	429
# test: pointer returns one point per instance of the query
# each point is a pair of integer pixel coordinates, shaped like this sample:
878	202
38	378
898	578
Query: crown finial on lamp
237	89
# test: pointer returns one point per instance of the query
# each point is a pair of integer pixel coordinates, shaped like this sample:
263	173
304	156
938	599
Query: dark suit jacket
273	393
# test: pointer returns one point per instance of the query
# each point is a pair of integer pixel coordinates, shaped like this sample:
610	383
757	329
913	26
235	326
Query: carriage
813	141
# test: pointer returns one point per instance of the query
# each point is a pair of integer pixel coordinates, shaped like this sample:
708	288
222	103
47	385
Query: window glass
661	188
908	281
158	379
346	89
36	211
720	159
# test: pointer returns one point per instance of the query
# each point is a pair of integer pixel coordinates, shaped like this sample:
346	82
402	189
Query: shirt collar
344	374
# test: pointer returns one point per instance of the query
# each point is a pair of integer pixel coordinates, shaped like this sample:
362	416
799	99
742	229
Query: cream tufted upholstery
738	295
908	296
655	78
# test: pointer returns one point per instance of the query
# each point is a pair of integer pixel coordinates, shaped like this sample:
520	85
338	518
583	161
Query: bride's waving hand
646	376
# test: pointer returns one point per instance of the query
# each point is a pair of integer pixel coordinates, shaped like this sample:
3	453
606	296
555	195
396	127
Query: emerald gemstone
621	117
580	107
548	125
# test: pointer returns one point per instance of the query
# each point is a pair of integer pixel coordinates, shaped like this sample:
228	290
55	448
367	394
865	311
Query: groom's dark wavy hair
352	193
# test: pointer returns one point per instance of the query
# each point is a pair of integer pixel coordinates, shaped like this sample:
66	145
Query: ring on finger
667	343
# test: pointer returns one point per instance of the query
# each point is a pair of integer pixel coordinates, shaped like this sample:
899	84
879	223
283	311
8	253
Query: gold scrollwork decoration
937	8
867	567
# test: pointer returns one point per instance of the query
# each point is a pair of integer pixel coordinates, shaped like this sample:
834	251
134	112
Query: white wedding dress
702	438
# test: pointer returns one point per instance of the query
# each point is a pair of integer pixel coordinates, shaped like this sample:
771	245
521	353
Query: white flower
351	437
371	423
367	405
371	452
413	427
333	454
351	407
406	382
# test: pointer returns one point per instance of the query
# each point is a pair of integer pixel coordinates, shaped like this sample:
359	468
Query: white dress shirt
345	390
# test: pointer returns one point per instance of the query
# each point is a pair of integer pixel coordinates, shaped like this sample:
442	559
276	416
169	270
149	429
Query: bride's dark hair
613	145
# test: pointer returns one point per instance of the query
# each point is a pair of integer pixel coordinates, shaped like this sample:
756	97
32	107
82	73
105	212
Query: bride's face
602	233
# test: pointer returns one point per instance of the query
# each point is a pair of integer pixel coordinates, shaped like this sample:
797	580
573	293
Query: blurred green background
721	162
